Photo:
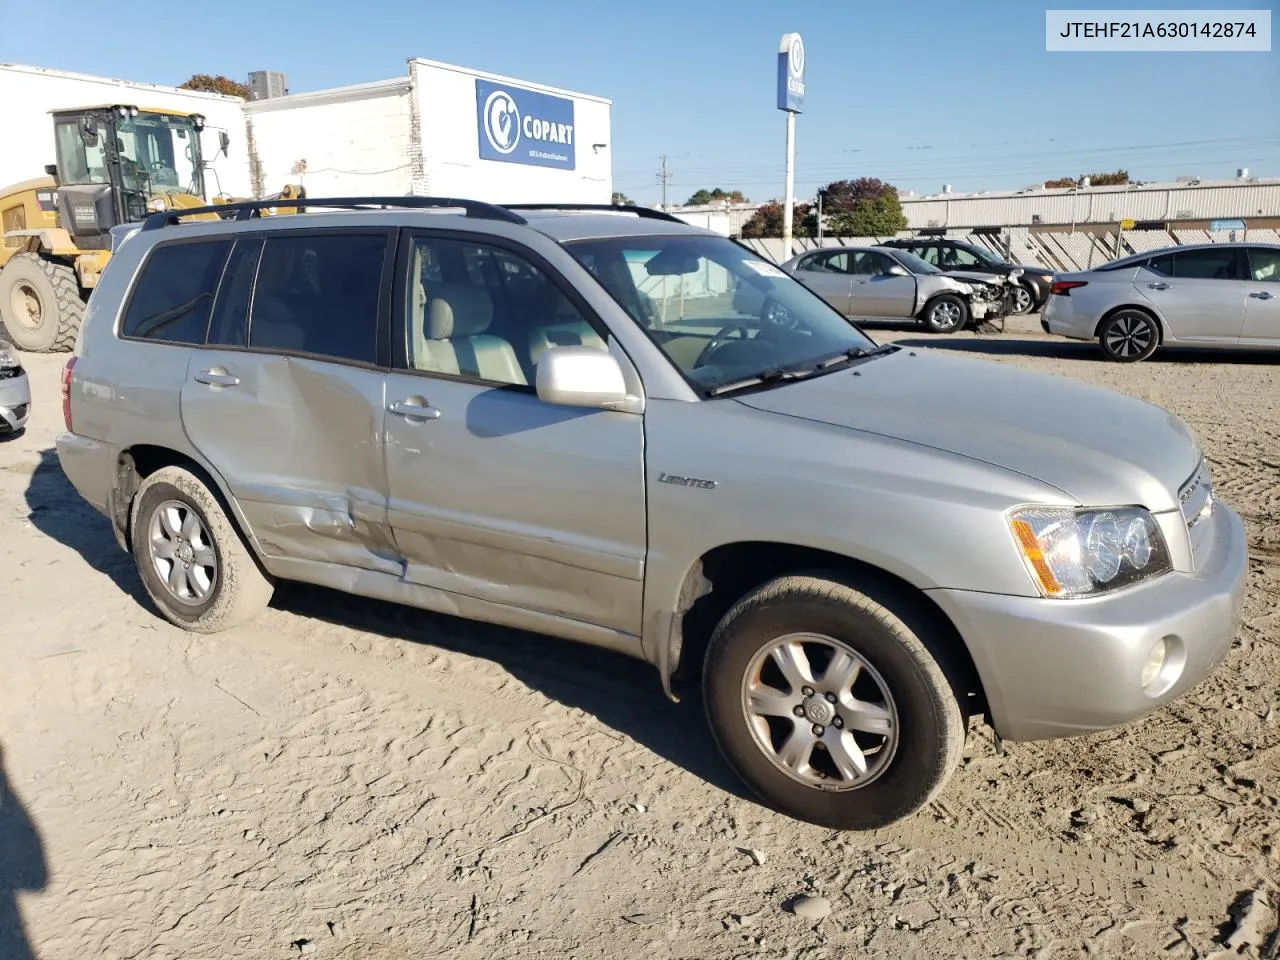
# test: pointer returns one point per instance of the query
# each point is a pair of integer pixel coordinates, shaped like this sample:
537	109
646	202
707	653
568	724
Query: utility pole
819	218
664	177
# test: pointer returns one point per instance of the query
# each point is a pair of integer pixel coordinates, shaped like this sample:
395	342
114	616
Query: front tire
946	313
829	706
40	304
1128	336
195	567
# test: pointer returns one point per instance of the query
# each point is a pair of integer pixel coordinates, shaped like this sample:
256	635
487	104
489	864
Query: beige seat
566	333
453	340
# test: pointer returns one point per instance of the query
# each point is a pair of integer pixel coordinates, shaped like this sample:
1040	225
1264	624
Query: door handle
414	411
1158	286
217	377
1262	295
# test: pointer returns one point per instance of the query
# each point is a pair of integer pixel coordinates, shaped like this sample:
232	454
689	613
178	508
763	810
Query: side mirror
897	270
224	141
51	169
580	377
1014	275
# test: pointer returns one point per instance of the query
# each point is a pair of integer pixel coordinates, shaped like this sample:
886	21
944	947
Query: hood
1096	446
970	276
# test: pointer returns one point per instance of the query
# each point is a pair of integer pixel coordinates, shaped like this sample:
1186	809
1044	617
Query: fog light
1155	663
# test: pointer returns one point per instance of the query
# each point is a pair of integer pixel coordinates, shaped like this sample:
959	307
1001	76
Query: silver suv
558	420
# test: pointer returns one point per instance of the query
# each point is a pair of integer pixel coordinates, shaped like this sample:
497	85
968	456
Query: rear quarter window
174	293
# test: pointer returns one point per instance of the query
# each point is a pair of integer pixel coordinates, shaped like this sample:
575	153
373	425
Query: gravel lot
352	780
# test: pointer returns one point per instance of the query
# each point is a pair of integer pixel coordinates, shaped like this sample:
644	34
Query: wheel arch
726	573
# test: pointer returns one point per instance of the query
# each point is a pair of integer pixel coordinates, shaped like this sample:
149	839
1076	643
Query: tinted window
231	310
318	294
1206	264
1264	264
174	294
1162	264
485	313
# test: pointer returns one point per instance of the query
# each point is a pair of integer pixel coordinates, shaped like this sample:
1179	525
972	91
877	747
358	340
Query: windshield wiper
855	353
769	376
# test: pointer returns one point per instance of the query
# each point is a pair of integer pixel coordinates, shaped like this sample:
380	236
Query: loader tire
40	305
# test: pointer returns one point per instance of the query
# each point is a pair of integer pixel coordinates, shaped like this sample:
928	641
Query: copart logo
795	58
502	121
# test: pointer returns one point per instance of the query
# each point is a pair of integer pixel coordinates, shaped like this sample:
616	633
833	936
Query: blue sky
917	92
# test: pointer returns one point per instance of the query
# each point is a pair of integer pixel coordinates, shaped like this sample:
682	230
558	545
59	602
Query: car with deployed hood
15	392
884	283
572	420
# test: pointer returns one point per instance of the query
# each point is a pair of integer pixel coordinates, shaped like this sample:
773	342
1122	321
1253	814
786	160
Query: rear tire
1022	301
945	313
195	567
40	304
1128	336
871	750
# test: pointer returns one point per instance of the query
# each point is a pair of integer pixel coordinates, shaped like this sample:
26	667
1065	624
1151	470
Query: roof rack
248	209
647	213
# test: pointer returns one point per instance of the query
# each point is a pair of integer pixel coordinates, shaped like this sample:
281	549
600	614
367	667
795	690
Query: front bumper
1055	668
15	403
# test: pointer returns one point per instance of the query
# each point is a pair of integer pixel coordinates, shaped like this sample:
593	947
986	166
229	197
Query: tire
223	592
945	313
1023	300
1128	336
40	304
920	723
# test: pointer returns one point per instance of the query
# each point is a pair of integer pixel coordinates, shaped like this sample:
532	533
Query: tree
219	84
1114	179
703	197
767	221
622	200
1062	183
865	207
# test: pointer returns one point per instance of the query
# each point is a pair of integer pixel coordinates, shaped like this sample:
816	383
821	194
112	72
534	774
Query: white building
440	130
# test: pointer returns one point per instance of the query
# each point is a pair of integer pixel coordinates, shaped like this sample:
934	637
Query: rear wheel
192	562
40	304
945	314
1128	336
829	706
1022	300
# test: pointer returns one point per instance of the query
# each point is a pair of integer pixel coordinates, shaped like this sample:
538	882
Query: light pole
790	101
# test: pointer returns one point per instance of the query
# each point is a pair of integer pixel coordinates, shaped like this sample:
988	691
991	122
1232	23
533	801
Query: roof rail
248	209
647	213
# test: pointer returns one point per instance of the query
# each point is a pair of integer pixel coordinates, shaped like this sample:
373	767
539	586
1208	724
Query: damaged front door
286	399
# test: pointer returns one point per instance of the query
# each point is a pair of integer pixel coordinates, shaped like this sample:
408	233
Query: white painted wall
347	141
450	140
27	94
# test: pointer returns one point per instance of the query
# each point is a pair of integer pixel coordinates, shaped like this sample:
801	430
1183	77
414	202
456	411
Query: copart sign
517	125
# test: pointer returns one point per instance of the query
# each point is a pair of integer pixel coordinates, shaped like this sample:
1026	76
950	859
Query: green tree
1062	183
622	200
1113	179
865	207
703	197
219	84
767	221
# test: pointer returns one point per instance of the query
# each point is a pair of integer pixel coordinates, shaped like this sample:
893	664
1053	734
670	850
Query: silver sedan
1203	295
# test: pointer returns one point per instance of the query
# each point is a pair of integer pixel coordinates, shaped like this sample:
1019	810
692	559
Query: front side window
480	312
1206	264
930	255
174	292
1264	264
914	264
869	263
720	313
319	294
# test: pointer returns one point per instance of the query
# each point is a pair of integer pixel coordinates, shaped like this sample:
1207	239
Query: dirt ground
352	780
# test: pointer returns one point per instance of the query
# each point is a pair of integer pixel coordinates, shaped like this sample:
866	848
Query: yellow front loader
116	164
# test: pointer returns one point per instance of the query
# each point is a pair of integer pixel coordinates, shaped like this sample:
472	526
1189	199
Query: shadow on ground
58	511
623	693
22	867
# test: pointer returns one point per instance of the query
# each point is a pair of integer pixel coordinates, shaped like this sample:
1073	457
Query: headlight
156	204
1081	553
8	358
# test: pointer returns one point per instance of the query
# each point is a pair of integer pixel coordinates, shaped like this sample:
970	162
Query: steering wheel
719	340
775	314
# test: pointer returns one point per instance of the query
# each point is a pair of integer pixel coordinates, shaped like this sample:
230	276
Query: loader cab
116	163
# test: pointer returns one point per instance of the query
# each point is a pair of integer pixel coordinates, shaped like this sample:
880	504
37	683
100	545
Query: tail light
1063	288
66	392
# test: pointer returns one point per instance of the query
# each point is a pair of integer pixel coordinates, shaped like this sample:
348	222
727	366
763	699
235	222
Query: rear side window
174	293
319	294
230	324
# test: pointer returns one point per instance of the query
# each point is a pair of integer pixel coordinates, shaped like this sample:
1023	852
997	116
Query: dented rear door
286	399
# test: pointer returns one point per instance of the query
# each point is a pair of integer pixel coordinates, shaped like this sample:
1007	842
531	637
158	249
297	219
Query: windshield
913	263
159	154
719	312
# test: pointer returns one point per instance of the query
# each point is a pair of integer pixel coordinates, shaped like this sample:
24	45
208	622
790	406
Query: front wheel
1129	336
945	314
829	706
40	304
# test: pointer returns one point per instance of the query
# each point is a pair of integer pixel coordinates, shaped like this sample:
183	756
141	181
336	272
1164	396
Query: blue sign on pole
791	73
517	125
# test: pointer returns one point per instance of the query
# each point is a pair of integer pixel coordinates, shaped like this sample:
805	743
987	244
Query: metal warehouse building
441	129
